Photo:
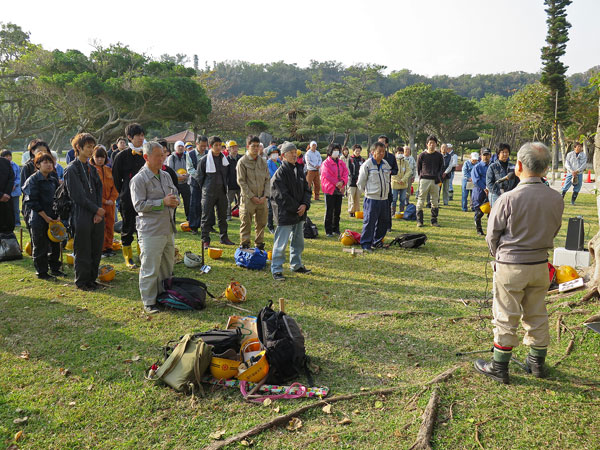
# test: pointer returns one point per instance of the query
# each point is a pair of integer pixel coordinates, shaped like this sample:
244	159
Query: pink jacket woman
333	171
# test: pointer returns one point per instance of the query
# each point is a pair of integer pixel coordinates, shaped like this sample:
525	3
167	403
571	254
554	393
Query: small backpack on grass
251	259
410	212
185	365
183	293
409	240
310	229
284	343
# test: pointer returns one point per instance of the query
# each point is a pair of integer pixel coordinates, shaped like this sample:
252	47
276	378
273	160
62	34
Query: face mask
335	154
399	157
274	156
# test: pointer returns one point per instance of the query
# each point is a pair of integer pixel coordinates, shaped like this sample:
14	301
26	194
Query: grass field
104	402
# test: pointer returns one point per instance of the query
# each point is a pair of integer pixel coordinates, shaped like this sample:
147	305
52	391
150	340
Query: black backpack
284	344
62	203
183	293
409	240
310	229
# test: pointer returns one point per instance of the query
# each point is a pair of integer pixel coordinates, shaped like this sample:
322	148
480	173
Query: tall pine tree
553	72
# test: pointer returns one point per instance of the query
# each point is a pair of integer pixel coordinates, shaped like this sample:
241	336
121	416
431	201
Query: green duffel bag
186	365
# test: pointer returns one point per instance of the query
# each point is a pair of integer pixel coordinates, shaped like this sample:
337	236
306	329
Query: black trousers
7	217
333	208
186	193
389	209
87	247
195	214
209	202
128	215
270	225
45	252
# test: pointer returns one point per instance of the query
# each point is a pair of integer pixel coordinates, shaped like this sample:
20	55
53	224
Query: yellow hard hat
116	246
57	231
189	144
106	273
223	368
181	171
185	226
358	214
28	248
231	143
347	239
485	208
235	292
566	273
255	369
215	253
69	245
70	259
299	153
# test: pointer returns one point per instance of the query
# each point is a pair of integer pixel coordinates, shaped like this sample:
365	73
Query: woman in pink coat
334	178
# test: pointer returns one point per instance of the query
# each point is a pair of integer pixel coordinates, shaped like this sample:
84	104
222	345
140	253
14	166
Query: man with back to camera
520	232
575	164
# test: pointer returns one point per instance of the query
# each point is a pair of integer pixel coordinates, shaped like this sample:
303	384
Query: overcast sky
425	36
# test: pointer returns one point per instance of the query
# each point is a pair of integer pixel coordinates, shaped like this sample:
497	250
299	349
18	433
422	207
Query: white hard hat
191	260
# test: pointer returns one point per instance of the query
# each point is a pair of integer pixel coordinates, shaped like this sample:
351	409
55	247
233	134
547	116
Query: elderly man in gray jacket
154	197
521	230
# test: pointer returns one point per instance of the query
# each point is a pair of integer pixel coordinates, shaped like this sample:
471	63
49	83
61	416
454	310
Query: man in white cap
177	161
450	163
467	182
313	165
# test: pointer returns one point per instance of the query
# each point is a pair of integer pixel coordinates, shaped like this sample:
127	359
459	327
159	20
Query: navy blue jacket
39	196
497	172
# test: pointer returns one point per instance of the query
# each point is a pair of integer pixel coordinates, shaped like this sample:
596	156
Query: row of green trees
54	94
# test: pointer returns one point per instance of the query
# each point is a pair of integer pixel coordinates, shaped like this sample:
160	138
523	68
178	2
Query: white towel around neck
210	162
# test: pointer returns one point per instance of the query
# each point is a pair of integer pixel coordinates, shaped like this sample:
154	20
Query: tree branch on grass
426	430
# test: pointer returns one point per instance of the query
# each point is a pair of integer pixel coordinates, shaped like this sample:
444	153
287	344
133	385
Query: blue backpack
410	213
251	259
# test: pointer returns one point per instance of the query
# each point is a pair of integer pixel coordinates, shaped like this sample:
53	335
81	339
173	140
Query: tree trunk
594	244
411	141
563	143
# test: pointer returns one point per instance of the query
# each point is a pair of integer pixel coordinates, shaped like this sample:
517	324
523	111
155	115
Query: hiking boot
535	365
420	218
497	371
574	197
206	245
303	270
226	241
480	231
151	309
434	217
244	246
58	273
278	276
46	276
260	246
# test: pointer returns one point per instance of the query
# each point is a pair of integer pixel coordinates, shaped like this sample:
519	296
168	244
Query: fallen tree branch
390	314
592	319
282	420
477	431
437	379
423	441
590	295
